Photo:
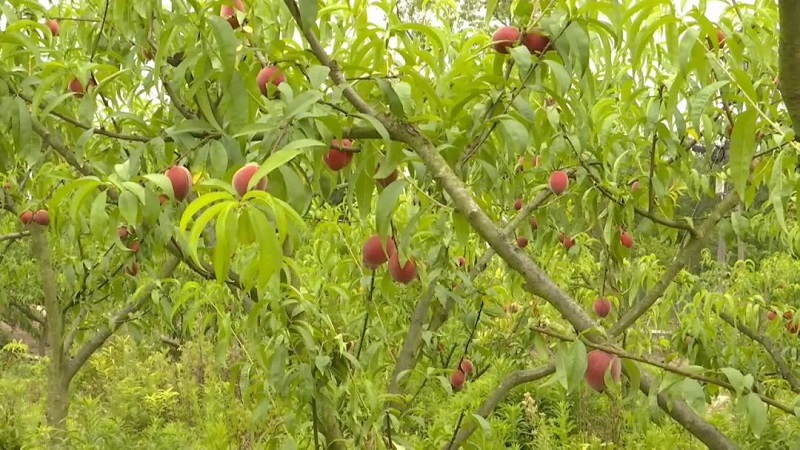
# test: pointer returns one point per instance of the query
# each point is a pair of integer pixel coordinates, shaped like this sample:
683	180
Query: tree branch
14	236
688	251
663	366
638	211
137	302
789	60
27	312
769	346
496	397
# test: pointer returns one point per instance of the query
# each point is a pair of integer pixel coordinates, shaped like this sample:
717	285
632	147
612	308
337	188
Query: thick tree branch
413	340
441	316
686	417
688	251
769	346
789	59
496	397
73	330
101	336
29	313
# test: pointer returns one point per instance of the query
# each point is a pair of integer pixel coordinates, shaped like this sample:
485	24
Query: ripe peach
405	274
599	363
602	307
41	217
26	217
227	12
505	38
373	253
243	176
535	41
54	28
559	182
271	74
626	239
336	159
457	379
181	180
467	367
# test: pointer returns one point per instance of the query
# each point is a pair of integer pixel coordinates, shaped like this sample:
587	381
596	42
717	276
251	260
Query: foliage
278	336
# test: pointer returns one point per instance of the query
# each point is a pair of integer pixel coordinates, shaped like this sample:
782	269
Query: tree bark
57	378
789	60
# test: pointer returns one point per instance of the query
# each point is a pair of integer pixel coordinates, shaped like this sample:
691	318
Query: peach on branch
559	182
181	180
269	75
505	38
241	179
404	274
228	13
373	253
41	217
600	362
338	156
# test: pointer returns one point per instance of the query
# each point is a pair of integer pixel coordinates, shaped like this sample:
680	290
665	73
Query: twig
651	201
769	346
14	236
662	366
366	315
598	184
455	432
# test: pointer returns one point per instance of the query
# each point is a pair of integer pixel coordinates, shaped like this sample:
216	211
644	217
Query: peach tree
373	210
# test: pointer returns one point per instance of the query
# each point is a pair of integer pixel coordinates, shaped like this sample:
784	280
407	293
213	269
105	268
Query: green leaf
486	427
270	254
429	32
98	221
561	76
217	158
522	57
686	48
576	363
317	75
387	202
302	103
776	191
128	206
517	134
199	227
255	128
743	146
283	156
756	414
226	43
701	100
735	378
200	203
364	189
634	375
192	125
378	126
391	97
403	91
226	234
308	12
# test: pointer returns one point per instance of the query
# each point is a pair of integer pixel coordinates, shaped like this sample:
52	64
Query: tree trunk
58	378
